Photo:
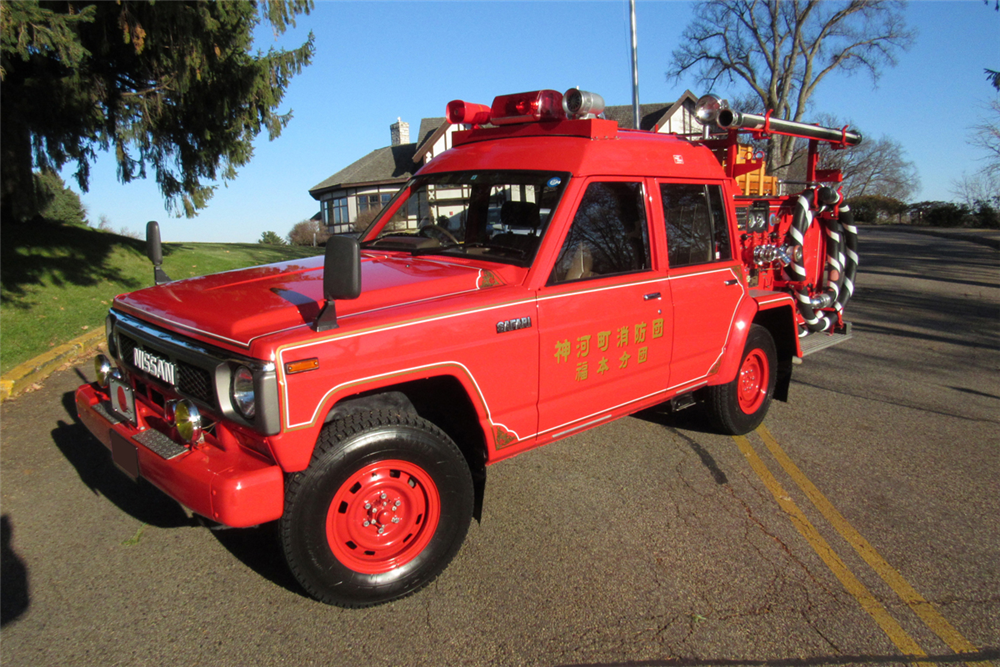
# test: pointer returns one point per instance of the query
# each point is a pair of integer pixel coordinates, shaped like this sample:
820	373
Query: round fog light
188	421
102	368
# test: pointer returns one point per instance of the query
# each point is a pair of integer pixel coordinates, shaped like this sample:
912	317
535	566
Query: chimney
400	132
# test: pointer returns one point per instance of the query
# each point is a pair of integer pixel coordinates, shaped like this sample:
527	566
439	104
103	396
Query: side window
608	235
697	232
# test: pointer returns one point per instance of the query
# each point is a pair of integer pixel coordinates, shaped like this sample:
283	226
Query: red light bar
464	113
527	107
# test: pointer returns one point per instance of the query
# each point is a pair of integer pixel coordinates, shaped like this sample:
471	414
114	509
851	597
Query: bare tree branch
782	49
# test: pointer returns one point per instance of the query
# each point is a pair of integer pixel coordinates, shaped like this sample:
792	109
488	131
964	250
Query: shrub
877	209
308	232
271	238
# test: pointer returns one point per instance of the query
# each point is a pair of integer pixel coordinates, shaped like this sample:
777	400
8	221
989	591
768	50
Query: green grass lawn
57	281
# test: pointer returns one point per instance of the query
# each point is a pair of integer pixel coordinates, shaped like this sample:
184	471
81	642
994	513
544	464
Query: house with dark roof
352	197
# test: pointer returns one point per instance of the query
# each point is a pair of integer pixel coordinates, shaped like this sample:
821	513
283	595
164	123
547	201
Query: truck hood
236	307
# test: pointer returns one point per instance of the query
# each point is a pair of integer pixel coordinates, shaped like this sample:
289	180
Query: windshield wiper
441	248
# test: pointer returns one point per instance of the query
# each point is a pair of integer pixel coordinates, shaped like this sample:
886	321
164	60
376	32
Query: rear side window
697	232
608	235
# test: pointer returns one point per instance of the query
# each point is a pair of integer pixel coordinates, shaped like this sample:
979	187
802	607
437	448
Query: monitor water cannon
712	109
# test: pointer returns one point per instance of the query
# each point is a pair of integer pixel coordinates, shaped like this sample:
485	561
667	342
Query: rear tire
381	510
739	407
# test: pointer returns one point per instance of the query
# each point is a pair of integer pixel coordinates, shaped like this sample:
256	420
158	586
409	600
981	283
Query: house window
376	201
339	207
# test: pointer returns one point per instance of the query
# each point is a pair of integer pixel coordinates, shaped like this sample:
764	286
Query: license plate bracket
122	400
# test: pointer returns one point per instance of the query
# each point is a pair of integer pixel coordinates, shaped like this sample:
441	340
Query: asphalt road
862	525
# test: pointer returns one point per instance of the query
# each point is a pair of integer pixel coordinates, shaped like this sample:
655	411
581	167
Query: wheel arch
780	323
779	320
443	400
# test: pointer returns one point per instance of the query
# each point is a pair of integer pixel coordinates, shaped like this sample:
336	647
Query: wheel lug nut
381	530
383	495
395	519
368	506
367	523
398	503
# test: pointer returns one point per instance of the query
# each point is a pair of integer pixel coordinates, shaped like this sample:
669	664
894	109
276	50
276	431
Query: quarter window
697	232
608	235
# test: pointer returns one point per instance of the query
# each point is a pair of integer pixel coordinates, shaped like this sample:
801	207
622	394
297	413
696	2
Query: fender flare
779	319
732	356
297	444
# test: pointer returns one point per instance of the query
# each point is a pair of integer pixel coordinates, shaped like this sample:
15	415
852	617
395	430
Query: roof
385	165
650	114
429	126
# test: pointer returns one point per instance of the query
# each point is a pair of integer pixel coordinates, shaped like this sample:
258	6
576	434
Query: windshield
499	214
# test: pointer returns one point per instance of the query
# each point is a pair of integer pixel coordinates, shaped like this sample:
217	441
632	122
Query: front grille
196	382
127	345
191	380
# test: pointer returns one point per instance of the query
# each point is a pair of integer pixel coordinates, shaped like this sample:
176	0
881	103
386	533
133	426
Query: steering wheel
438	232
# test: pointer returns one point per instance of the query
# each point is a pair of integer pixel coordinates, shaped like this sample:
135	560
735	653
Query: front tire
739	407
381	510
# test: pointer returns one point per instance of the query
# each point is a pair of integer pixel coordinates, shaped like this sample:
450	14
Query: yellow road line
903	641
924	609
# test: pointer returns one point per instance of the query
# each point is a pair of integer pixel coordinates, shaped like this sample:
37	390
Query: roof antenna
635	66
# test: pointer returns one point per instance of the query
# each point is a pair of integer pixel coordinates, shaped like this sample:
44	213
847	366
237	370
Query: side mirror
154	250
341	277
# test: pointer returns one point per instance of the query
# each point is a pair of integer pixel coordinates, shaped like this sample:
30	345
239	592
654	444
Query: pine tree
168	87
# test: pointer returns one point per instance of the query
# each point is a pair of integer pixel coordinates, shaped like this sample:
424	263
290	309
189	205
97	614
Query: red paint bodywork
664	331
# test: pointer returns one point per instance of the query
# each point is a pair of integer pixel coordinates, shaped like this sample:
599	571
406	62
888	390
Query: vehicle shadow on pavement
15	597
971	657
257	548
93	464
690	419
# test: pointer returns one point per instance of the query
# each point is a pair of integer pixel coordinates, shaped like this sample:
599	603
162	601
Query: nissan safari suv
543	277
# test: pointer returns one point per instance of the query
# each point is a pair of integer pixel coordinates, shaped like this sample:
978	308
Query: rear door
706	282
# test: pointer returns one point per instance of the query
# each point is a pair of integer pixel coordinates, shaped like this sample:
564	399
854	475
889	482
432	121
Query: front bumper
217	479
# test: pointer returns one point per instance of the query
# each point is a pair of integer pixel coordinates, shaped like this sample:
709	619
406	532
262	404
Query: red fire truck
548	274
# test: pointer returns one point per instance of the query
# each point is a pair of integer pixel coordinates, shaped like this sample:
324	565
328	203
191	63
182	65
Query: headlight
102	369
188	421
242	392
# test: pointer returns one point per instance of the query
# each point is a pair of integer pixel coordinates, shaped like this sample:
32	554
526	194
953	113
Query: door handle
731	282
651	296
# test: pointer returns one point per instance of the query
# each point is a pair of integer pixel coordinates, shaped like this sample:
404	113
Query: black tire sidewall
725	403
349	448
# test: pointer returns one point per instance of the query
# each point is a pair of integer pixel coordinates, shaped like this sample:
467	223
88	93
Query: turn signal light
301	366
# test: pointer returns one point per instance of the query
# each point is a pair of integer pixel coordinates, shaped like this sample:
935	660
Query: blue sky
377	61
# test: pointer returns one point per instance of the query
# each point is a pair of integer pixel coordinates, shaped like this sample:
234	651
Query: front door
604	316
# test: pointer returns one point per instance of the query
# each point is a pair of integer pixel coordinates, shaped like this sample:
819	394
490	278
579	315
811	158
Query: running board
821	340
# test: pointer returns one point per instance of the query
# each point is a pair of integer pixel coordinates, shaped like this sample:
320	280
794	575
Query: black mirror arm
327	318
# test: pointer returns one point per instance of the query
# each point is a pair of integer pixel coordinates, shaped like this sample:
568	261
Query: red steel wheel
739	406
379	512
753	381
383	516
